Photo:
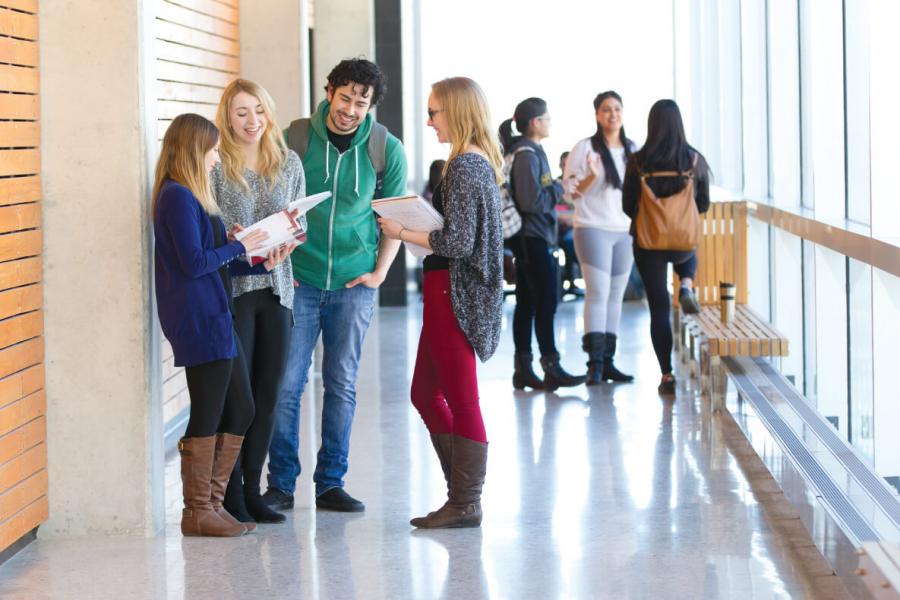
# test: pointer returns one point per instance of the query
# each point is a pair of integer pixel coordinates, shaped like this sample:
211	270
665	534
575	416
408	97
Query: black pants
536	294
653	267
264	330
221	400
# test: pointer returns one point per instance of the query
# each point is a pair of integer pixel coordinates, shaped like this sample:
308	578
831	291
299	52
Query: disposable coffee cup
726	301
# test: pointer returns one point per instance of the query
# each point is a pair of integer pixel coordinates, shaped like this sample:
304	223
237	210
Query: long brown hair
469	119
272	148
183	158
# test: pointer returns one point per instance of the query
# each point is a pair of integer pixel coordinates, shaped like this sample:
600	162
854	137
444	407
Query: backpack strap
689	174
298	133
512	163
378	155
298	136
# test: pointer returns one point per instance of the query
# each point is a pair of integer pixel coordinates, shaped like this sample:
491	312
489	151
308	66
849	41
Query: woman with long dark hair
536	194
668	164
594	170
463	296
194	260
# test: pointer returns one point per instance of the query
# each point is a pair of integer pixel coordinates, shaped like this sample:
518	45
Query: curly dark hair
361	71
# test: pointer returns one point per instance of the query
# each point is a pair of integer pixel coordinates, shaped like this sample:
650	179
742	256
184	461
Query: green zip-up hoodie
342	234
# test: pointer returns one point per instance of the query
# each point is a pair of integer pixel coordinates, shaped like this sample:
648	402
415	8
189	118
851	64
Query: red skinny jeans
445	382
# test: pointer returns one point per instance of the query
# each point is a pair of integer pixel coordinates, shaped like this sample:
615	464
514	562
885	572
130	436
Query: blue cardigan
190	296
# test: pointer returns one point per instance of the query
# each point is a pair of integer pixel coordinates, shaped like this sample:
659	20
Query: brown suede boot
463	507
198	516
228	447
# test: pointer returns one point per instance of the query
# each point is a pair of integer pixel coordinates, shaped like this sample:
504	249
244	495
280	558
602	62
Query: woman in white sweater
594	172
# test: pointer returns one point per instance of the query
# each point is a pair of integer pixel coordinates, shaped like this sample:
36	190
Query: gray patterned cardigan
472	240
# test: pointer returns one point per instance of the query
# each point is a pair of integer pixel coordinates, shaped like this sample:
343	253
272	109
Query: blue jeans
342	317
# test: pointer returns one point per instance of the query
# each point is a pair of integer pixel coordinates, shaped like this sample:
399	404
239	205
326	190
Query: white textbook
414	213
282	227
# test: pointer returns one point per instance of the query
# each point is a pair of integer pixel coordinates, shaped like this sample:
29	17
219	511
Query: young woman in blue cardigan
193	257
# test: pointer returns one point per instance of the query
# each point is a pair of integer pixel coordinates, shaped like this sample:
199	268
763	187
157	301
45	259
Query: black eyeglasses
431	112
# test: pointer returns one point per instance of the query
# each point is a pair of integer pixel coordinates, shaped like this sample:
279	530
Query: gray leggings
605	258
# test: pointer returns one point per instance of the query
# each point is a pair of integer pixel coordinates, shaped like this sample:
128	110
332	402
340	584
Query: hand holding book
284	227
408	214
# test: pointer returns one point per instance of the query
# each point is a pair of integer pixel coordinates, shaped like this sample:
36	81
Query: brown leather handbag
670	223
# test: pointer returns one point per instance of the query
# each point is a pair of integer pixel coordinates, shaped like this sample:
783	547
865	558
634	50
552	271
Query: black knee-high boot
592	344
610	372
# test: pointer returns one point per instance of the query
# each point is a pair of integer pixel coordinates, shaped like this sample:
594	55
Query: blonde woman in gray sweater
258	176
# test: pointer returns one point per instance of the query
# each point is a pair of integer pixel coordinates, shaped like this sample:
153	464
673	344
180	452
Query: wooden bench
722	256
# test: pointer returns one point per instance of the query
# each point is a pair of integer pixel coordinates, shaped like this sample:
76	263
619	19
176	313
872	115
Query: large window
815	109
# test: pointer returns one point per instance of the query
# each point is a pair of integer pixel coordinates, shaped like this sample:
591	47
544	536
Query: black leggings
264	331
653	267
536	294
221	400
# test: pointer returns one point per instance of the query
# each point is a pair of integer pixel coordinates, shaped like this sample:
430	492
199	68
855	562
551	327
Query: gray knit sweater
246	208
472	239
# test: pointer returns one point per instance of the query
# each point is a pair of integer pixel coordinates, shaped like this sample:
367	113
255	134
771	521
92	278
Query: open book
412	212
281	227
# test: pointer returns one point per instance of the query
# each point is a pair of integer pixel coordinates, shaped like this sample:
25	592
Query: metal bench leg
703	368
717	384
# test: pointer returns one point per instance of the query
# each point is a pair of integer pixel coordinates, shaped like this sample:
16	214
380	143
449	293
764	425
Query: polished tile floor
601	493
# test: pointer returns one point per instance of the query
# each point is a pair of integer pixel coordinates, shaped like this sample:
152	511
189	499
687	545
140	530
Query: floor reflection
605	492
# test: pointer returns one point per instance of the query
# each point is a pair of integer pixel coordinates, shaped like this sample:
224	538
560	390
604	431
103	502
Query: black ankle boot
524	375
256	506
555	376
234	498
592	344
610	372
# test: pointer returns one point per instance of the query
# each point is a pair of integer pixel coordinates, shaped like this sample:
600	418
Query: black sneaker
339	500
278	500
667	385
688	301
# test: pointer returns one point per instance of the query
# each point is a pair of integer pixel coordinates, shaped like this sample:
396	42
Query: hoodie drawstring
356	164
327	160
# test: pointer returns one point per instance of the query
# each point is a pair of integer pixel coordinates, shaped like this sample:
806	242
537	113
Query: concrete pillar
342	30
104	418
275	53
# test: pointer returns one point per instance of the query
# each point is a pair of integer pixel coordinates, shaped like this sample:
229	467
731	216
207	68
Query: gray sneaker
688	301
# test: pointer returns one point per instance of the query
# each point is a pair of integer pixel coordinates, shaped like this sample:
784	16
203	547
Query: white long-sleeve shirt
600	206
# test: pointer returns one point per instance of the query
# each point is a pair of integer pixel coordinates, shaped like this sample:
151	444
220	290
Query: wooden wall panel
197	55
23	405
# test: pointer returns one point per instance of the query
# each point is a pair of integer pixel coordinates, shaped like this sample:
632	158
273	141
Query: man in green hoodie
337	273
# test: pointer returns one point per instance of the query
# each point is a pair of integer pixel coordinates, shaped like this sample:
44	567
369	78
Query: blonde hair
183	158
272	149
469	120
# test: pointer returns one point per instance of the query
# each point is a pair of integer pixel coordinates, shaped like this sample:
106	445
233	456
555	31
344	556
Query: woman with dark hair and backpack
665	170
594	170
536	194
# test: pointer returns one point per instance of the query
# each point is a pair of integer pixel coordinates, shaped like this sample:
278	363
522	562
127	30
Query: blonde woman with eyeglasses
463	295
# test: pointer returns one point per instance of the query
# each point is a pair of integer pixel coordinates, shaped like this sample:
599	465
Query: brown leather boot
443	446
198	516
228	446
463	507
